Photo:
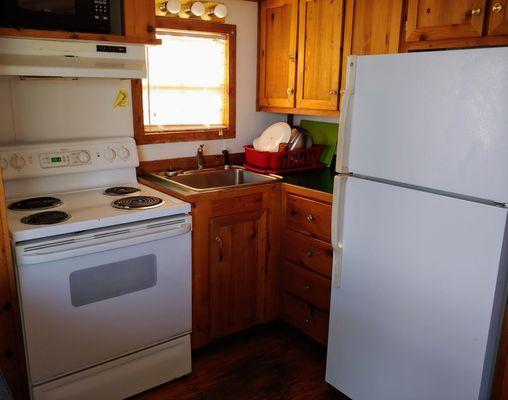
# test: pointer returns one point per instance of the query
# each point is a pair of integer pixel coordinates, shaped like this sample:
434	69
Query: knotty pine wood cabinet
439	24
371	27
299	56
235	258
306	261
12	360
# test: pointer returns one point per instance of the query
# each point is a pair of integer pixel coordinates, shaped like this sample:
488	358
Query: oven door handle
43	255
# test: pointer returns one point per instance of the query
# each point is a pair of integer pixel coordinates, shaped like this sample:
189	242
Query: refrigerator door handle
341	165
339	194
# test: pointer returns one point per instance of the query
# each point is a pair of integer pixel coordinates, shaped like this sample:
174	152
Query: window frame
144	136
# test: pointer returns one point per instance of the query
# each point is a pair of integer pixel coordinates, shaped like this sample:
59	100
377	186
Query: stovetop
88	209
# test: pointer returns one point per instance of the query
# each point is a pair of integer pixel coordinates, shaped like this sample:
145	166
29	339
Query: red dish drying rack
280	162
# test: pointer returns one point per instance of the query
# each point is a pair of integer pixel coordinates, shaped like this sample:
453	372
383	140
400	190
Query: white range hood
74	59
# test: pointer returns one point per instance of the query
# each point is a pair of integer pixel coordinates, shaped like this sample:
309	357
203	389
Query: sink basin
218	179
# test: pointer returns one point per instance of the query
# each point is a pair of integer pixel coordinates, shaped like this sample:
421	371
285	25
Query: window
189	91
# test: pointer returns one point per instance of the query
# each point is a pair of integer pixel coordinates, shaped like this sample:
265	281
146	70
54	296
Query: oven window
106	281
62	7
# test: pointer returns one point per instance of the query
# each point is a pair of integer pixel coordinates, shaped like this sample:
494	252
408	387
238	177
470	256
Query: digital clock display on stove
56	159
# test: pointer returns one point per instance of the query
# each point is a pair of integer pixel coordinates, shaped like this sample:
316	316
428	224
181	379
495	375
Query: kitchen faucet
199	156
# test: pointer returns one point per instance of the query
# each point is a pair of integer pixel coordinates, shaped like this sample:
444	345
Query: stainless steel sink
218	179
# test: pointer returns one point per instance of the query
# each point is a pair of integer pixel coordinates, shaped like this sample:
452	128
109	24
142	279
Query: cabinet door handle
310	218
218	240
334	92
307	287
476	11
307	321
150	29
309	254
497	8
290	91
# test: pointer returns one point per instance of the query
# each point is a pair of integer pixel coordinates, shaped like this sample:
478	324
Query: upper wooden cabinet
371	27
277	53
441	24
299	56
498	18
444	19
319	42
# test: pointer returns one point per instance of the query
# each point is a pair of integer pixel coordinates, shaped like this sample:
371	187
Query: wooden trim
458	43
186	163
12	358
300	111
500	385
185	135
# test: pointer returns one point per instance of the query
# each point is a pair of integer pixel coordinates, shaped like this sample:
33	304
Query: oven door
96	302
67	15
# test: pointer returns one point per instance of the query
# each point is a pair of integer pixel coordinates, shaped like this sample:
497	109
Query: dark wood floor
273	362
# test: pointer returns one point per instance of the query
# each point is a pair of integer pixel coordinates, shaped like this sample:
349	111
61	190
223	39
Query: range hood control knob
17	162
124	153
84	156
110	154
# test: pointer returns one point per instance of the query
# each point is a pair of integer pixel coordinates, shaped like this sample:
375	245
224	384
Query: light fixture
170	6
219	11
197	8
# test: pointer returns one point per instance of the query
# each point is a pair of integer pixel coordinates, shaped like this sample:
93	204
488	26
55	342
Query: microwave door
67	15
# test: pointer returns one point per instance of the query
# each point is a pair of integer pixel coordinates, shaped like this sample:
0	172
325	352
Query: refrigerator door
433	119
418	311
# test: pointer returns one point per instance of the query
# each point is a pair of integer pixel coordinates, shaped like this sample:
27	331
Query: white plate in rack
272	137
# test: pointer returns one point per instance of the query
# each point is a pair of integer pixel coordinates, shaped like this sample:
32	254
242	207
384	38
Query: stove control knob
124	153
17	162
5	164
84	156
110	154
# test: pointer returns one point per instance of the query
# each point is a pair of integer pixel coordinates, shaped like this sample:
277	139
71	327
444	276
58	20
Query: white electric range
103	266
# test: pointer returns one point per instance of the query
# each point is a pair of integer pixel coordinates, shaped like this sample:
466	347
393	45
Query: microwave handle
96	245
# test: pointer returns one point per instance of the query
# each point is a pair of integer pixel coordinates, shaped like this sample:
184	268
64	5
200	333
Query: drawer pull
307	321
307	287
309	254
310	218
476	11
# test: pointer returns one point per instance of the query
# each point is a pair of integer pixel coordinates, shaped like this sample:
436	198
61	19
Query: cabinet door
498	18
237	269
319	56
139	19
444	19
371	27
277	53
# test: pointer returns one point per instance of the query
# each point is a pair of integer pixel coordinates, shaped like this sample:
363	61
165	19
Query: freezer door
434	119
421	294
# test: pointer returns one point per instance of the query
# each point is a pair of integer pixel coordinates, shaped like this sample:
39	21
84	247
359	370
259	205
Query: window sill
184	135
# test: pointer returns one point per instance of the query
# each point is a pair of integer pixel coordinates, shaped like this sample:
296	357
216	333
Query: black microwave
95	16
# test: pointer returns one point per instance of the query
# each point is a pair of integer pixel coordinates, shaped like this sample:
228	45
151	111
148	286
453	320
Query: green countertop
317	179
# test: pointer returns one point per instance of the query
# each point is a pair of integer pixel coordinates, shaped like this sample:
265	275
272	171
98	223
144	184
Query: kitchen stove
138	202
35	203
45	218
89	267
120	190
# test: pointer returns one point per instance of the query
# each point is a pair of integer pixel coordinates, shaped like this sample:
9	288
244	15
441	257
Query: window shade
186	82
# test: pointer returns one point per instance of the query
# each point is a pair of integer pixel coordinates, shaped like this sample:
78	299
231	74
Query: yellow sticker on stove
122	99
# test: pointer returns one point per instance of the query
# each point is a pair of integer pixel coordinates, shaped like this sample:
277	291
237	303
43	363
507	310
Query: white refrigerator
419	226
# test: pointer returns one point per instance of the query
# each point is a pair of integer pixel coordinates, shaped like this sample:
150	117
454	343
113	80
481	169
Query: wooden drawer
310	320
307	285
308	252
308	216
